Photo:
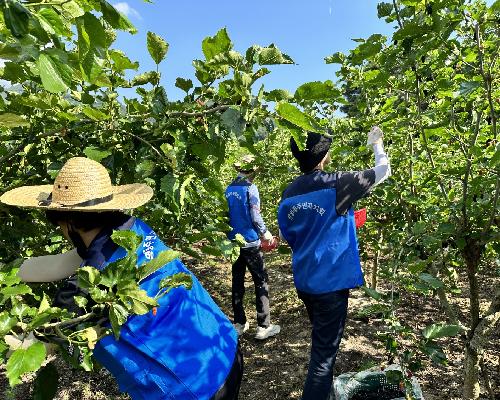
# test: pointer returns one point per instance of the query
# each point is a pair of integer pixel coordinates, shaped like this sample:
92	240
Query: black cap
317	147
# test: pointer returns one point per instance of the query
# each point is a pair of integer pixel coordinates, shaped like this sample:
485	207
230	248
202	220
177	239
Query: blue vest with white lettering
239	210
185	351
324	244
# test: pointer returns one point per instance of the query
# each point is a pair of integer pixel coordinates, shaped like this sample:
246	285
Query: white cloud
124	8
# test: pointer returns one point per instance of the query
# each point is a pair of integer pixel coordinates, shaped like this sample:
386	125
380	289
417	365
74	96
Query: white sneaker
264	333
240	328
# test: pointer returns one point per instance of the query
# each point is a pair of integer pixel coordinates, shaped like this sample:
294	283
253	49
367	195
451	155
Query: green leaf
183	191
317	91
146	77
156	263
15	291
436	331
278	95
435	352
296	117
129	240
46	383
184	84
140	302
118	316
96	154
6	322
217	44
157	47
335	58
372	293
467	88
115	18
176	280
16	18
88	276
272	55
95	114
121	62
9	120
23	361
44	304
56	76
432	281
384	9
233	121
52	22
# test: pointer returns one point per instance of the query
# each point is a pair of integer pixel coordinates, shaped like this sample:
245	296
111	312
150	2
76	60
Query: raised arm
352	186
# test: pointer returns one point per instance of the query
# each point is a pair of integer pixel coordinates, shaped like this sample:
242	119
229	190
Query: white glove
268	236
375	136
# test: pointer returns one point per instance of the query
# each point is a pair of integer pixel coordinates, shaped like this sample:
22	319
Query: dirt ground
276	368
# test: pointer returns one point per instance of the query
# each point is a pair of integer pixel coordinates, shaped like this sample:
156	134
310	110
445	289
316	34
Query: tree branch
71	321
197	113
469	167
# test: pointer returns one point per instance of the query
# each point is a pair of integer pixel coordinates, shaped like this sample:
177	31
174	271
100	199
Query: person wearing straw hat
244	218
187	349
316	218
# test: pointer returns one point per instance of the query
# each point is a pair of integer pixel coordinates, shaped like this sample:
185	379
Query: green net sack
374	384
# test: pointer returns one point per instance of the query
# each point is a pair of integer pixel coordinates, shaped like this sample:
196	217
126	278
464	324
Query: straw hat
81	185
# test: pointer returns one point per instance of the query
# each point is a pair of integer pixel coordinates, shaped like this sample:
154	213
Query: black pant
231	388
327	313
250	257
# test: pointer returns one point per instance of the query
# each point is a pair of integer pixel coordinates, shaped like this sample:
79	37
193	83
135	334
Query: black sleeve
352	186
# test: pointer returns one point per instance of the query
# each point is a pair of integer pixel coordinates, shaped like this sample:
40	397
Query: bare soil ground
276	368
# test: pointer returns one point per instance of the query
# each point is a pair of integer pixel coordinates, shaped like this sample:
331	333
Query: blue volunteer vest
185	351
324	244
239	210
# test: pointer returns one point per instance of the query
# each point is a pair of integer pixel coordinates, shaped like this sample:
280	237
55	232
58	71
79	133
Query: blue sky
306	30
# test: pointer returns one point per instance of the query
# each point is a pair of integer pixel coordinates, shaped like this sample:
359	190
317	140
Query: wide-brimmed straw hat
81	185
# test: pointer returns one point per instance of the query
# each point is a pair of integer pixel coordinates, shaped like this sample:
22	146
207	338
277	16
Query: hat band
88	203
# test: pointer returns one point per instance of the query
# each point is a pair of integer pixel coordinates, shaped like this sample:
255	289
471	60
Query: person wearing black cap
316	218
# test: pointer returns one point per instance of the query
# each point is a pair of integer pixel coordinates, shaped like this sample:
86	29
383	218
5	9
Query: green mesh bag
373	384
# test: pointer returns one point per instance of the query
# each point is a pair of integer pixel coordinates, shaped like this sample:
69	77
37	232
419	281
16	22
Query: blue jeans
327	313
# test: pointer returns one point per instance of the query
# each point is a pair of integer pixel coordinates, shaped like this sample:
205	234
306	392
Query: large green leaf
184	84
16	18
9	120
6	322
52	22
217	44
115	18
156	263
296	117
23	361
233	121
121	61
56	75
176	280
140	302
436	331
96	154
157	47
317	91
272	55
118	316
129	240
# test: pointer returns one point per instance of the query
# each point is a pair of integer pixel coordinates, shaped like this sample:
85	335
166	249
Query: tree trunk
472	255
